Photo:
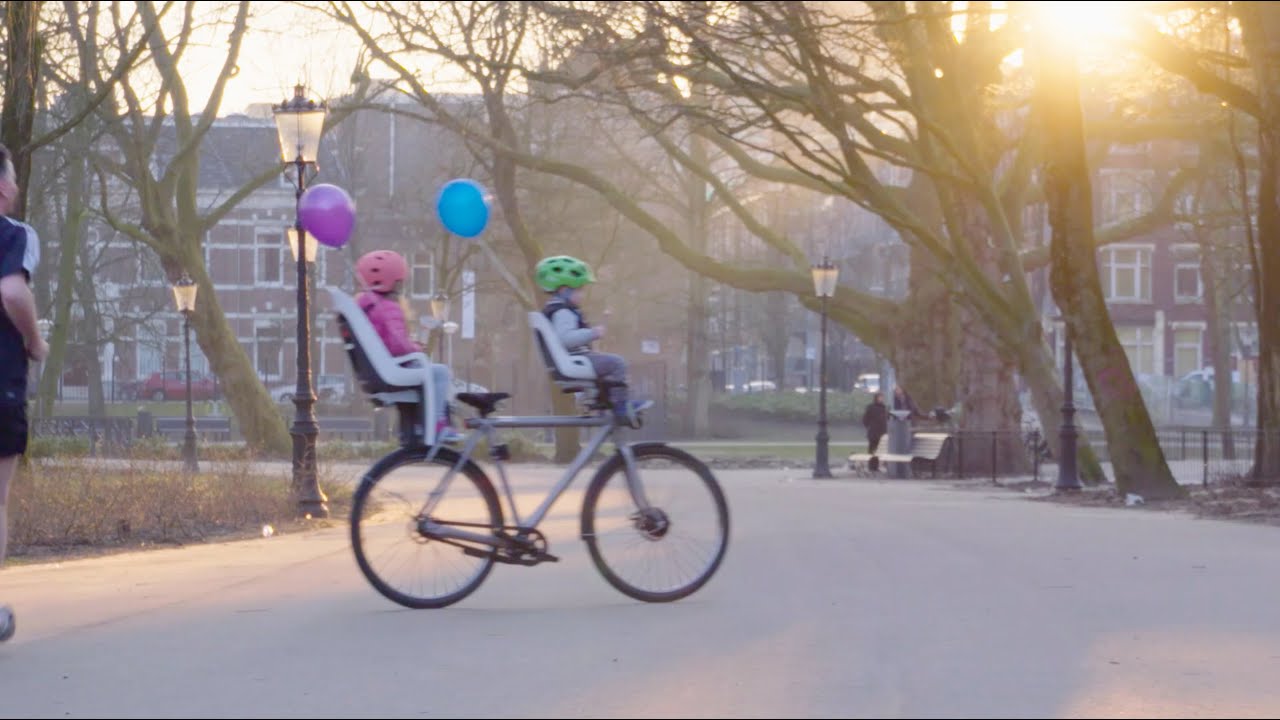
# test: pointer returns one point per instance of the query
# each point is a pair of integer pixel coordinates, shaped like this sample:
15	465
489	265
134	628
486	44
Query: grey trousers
614	369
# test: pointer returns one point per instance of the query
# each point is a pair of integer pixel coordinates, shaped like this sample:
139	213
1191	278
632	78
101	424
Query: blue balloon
462	207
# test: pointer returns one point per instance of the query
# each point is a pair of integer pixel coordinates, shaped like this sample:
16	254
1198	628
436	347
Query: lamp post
300	122
45	326
1068	478
824	286
184	295
440	311
450	327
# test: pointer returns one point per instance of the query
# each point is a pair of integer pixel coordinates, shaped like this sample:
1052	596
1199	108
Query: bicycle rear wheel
671	548
387	512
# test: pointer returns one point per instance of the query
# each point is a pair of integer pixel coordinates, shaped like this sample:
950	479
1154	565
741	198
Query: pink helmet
380	270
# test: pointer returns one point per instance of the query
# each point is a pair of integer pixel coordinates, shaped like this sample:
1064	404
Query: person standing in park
876	420
20	341
903	401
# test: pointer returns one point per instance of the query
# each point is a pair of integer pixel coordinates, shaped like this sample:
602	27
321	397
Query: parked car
172	385
329	388
753	386
868	382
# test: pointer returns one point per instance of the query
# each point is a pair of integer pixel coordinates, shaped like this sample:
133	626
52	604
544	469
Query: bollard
145	426
1204	457
994	481
1035	454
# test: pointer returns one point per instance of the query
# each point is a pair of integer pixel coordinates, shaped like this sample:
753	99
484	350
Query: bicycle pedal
477	552
546	557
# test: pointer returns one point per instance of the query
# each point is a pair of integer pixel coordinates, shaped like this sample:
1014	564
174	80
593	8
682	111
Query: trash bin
145	426
899	443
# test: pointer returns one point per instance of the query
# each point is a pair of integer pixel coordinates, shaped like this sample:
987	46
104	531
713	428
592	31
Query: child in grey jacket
564	278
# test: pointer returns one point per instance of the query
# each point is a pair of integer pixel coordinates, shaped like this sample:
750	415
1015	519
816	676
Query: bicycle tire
591	531
361	502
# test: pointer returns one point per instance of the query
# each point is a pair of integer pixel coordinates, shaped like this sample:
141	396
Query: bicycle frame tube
584	456
535	421
487	427
633	477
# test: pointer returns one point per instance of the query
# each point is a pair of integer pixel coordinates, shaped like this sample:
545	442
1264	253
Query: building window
1124	196
1186	282
1188	344
268	259
423	275
151	336
1126	274
267	349
1140	348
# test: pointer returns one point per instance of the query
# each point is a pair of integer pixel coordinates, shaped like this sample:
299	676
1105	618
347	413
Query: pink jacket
388	321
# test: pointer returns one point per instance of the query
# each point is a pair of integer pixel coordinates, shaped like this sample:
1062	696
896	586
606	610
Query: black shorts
13	429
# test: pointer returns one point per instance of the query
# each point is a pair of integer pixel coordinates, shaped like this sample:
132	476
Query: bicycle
460	515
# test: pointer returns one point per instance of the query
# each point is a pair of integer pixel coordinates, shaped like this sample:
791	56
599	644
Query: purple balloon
328	213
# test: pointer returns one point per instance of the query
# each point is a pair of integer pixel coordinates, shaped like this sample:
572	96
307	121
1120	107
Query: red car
172	385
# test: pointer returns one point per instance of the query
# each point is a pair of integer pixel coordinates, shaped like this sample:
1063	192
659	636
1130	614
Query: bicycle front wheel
671	545
388	514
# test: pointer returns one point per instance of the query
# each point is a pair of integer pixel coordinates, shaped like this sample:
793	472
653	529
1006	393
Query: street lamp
824	286
450	328
440	310
45	326
1068	478
184	295
300	122
309	240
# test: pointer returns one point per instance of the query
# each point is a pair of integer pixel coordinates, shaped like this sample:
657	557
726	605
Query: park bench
346	428
924	446
216	429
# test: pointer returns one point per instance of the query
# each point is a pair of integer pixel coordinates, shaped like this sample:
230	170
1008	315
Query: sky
284	45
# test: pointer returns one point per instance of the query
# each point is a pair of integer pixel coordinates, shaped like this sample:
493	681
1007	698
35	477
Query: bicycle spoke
401	562
669	549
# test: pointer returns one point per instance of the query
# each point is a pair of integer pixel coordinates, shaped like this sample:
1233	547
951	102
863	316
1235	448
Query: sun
1085	22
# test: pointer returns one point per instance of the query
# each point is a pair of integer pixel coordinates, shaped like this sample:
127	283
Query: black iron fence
1194	454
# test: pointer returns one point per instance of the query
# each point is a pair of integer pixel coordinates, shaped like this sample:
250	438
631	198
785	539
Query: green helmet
555	272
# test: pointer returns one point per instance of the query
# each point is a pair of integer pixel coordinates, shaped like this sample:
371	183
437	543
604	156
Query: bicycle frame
488	428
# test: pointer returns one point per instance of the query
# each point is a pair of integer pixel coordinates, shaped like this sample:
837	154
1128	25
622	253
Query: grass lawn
837	451
168	408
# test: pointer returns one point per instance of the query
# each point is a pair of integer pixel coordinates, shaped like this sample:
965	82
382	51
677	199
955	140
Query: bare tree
164	181
1246	77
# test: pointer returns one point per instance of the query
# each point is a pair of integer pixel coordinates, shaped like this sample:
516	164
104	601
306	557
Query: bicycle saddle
484	402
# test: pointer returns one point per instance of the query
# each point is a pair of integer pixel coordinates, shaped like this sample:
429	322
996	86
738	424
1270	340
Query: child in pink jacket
382	272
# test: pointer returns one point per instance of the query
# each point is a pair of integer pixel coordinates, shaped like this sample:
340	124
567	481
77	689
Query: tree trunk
260	422
1260	25
21	81
924	338
1218	327
68	250
774	336
1135	451
91	322
987	382
989	390
697	345
1036	363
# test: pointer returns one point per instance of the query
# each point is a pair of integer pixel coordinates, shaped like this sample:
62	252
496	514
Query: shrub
48	447
841	406
58	506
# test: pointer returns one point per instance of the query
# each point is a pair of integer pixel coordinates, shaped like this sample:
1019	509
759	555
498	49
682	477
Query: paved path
837	598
